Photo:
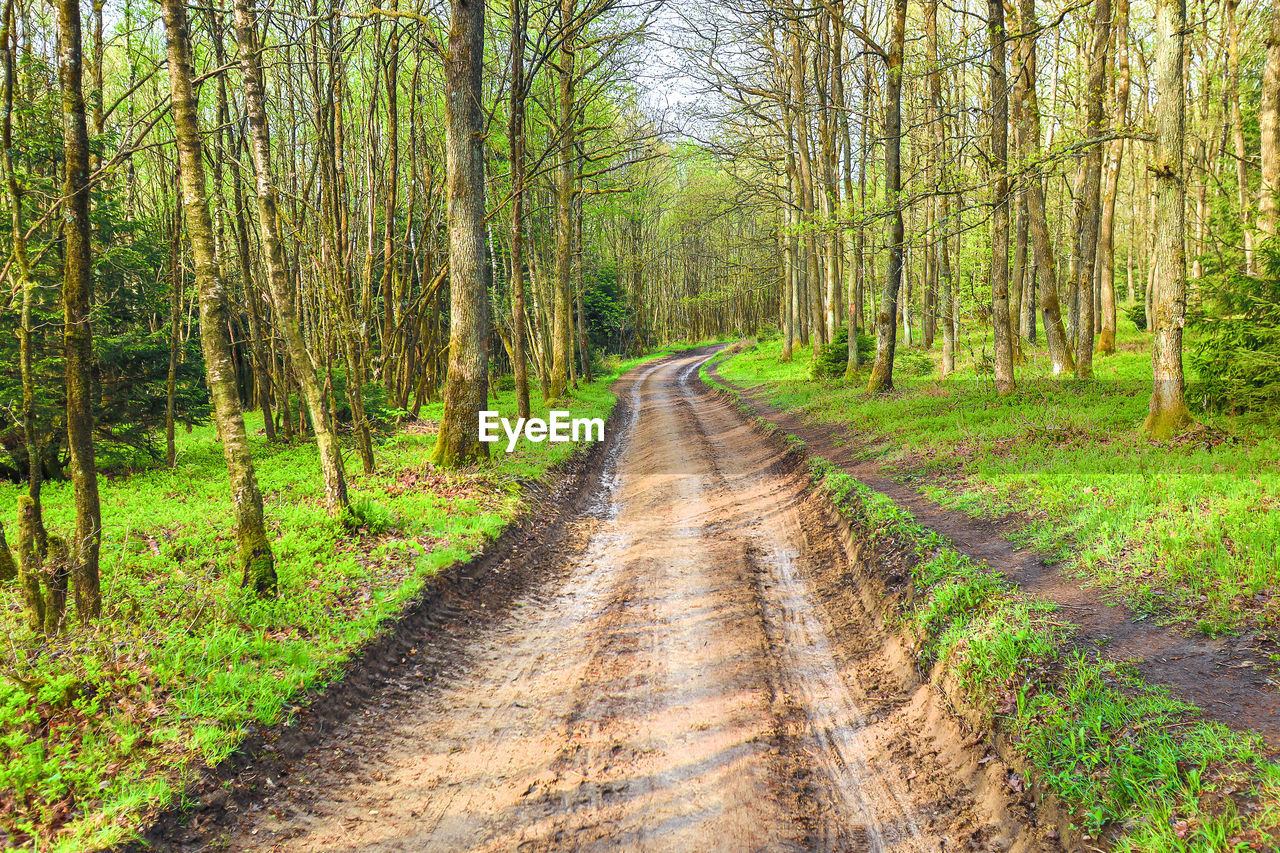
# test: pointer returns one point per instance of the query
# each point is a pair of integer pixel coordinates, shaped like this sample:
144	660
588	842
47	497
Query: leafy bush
369	515
1137	314
1238	354
833	358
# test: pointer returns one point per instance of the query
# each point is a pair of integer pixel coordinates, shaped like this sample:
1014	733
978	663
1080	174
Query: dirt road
688	676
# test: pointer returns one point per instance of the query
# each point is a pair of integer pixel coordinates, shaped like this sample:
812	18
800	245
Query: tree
1033	188
467	382
77	297
519	359
1002	333
254	550
1091	191
881	378
278	279
1269	130
1105	283
1167	413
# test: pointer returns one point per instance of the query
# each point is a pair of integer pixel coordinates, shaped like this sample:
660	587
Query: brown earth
1228	677
684	665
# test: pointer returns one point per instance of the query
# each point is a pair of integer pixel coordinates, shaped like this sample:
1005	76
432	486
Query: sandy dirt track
689	675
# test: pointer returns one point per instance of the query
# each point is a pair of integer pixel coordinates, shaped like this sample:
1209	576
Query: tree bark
77	296
278	280
1045	265
881	378
32	539
519	359
1237	131
255	557
467	381
1269	130
1002	338
1167	412
1092	188
562	307
1115	156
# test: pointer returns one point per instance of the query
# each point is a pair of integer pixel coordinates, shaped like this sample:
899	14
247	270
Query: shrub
833	358
1238	353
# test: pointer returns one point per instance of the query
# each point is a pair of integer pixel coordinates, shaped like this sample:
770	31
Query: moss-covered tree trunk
467	380
519	359
77	297
8	567
255	557
881	378
562	297
175	324
28	571
1167	412
30	562
286	312
1002	338
1269	131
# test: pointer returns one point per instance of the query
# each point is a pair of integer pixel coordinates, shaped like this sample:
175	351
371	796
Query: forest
992	289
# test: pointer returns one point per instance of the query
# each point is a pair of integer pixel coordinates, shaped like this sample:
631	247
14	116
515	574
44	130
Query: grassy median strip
1139	770
1184	531
103	725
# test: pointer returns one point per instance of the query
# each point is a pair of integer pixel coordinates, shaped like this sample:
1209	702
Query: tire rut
676	682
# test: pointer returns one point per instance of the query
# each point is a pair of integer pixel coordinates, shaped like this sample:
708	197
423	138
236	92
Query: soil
678	659
1227	677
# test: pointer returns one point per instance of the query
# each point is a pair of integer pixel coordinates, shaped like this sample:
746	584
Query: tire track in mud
676	683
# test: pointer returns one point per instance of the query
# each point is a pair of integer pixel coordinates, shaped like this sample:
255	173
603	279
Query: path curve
675	683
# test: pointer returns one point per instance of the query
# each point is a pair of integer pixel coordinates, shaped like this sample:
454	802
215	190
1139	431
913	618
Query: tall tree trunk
519	360
77	297
1046	267
175	324
278	278
799	102
1269	130
32	540
881	378
389	286
562	306
1167	413
1092	188
1115	155
937	119
1237	131
467	381
1002	338
255	557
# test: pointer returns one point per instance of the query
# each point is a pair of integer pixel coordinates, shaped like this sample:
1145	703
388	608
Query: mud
680	660
1228	677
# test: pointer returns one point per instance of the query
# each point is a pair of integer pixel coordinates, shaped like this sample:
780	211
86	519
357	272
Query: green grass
105	725
1139	770
1185	530
1134	764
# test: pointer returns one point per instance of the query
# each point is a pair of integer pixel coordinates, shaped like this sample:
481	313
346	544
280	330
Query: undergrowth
104	725
1184	530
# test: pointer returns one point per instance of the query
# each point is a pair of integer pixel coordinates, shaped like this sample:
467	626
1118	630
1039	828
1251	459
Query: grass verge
103	726
1183	531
